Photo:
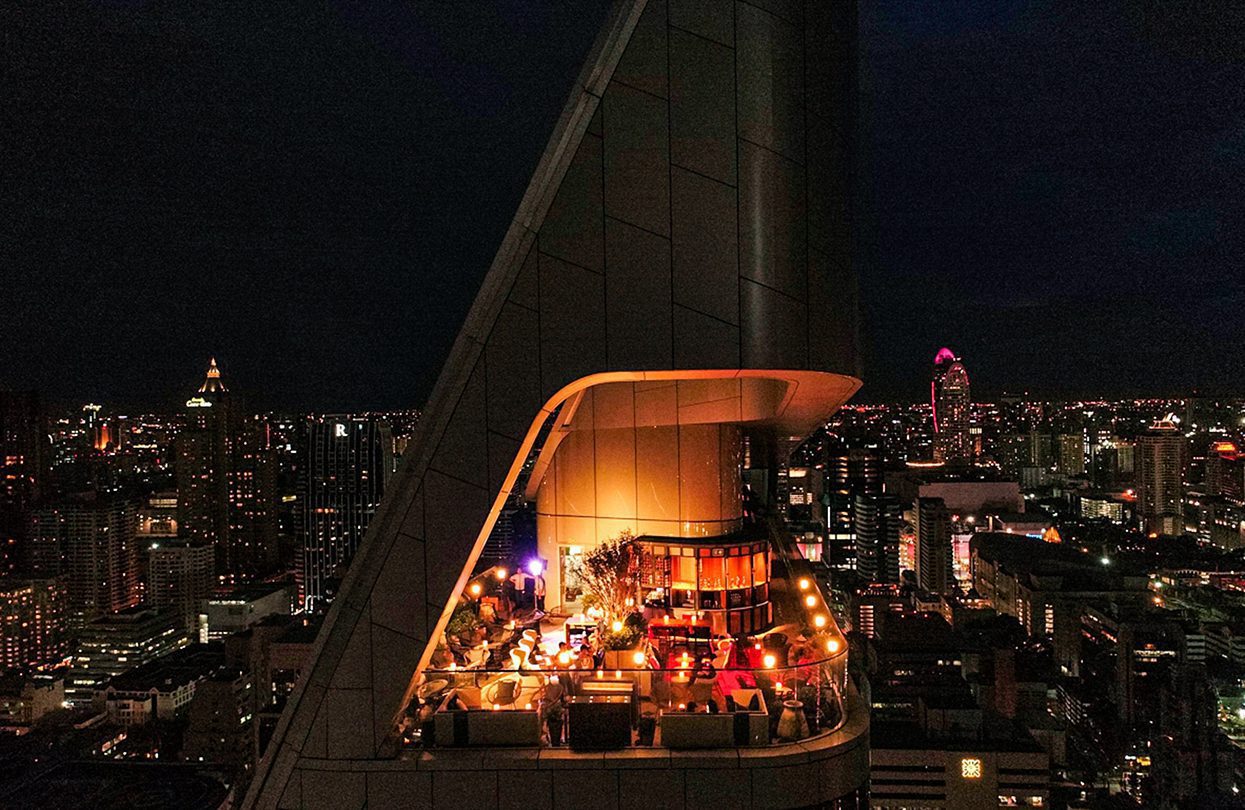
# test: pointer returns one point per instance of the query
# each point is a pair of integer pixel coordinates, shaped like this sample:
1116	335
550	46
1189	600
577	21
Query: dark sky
313	193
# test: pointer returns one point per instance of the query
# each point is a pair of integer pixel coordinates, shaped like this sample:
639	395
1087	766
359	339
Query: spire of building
212	383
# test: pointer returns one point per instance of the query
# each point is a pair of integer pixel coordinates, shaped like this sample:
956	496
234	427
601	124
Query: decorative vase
792	724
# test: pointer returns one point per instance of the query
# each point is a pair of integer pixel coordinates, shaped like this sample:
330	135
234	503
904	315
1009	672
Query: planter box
485	727
700	730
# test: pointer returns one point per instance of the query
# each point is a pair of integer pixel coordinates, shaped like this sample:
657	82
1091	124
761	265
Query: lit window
970	768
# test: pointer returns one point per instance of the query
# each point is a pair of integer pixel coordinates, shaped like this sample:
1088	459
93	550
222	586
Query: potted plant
610	574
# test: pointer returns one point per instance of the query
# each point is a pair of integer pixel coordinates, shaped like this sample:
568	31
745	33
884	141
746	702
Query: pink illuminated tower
952	404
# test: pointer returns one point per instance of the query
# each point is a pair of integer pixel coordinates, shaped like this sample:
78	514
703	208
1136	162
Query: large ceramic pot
792	724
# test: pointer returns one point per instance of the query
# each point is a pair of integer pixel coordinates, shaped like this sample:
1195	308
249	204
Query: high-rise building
1071	460
119	642
620	309
203	465
934	559
23	461
1225	471
180	576
349	461
952	404
851	470
33	630
226	482
92	542
879	525
1160	474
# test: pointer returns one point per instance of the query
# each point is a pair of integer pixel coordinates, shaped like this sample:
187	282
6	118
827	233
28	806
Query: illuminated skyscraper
92	543
1160	474
851	472
23	460
32	623
226	482
678	277
349	460
180	579
879	524
952	403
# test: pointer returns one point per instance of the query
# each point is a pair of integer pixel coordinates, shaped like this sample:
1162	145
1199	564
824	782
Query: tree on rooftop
611	574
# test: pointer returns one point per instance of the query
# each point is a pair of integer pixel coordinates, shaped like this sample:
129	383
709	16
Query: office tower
678	275
934	563
203	466
226	482
92	542
1160	473
253	512
1042	451
180	577
851	470
879	524
1225	471
23	463
1071	454
119	642
33	629
349	460
952	404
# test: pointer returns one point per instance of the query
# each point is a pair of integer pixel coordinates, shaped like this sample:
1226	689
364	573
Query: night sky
313	194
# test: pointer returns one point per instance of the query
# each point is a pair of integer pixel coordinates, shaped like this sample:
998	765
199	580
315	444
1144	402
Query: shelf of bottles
726	583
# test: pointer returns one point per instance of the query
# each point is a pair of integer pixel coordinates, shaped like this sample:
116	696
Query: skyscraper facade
226	482
1160	477
180	576
678	273
92	542
349	460
934	562
851	471
23	462
879	524
33	629
952	404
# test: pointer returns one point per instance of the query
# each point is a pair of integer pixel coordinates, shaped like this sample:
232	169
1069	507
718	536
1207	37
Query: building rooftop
173	670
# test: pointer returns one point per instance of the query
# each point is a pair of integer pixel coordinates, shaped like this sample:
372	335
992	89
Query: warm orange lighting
804	583
616	626
770	661
832	646
819	621
496	707
564	658
475	589
599	674
810	600
617	674
501	573
638	659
